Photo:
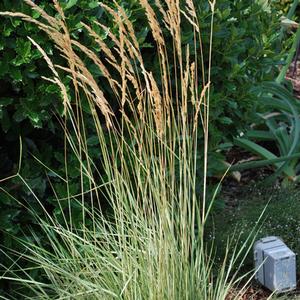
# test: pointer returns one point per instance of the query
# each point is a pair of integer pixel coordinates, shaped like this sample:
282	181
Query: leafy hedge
283	5
243	56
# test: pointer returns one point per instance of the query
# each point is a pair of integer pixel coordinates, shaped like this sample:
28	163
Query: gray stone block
275	264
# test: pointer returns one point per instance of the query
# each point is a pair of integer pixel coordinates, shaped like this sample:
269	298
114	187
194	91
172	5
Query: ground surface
234	196
244	203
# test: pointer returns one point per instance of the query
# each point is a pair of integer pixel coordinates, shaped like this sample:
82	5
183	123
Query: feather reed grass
152	246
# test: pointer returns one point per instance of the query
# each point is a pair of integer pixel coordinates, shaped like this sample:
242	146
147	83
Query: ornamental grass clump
149	242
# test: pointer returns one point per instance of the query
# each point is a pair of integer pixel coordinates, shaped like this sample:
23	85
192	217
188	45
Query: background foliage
283	5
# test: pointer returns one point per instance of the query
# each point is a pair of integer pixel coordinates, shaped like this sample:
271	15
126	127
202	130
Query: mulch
293	75
252	293
257	292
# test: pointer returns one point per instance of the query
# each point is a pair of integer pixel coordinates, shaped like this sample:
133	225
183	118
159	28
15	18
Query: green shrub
244	56
283	5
